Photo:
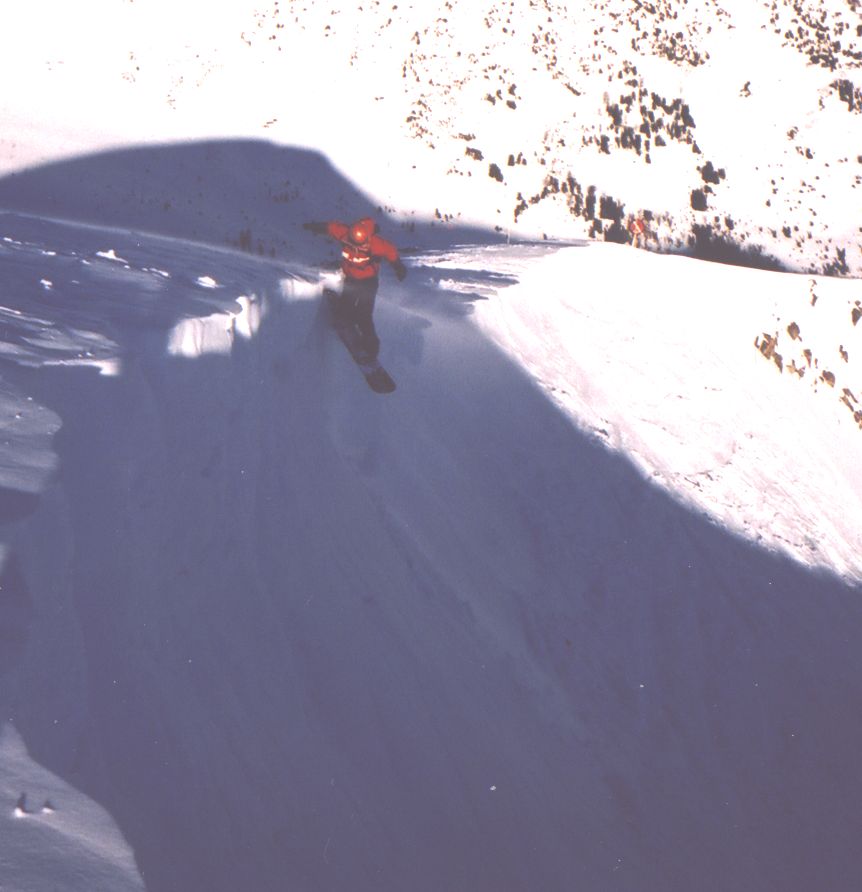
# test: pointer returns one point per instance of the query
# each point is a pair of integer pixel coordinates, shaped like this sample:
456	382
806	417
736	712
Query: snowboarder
637	231
362	251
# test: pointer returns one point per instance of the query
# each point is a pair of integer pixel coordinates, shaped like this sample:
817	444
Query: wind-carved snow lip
217	333
85	284
42	809
83	297
684	409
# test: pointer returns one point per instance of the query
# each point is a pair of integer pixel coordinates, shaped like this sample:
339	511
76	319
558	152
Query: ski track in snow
279	626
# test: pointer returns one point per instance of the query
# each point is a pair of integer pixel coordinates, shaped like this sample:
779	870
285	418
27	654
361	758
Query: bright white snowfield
579	606
730	124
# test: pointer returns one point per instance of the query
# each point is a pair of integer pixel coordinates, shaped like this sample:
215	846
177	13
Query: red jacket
361	261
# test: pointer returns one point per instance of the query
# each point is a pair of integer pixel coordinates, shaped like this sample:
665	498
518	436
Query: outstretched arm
333	228
388	251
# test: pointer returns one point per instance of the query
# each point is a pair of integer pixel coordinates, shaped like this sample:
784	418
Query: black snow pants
355	310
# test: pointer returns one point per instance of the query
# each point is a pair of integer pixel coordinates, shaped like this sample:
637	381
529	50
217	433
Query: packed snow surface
577	604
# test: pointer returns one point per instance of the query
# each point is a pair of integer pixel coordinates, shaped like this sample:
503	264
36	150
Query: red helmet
361	231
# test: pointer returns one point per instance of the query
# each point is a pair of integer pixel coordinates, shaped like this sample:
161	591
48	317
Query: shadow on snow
247	194
438	641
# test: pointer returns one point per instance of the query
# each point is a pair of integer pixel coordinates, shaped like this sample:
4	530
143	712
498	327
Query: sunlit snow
578	605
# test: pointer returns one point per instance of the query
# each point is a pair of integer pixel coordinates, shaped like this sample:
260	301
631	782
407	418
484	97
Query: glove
400	270
316	228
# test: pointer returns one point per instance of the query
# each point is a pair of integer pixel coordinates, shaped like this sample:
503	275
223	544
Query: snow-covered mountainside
730	126
577	605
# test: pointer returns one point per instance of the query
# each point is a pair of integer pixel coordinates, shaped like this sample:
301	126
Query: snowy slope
732	126
292	634
578	605
73	846
763	438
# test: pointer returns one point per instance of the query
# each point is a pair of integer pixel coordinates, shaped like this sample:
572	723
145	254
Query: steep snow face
764	437
730	127
293	634
81	308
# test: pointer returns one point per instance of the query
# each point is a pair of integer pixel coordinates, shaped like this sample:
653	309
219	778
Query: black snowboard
379	380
